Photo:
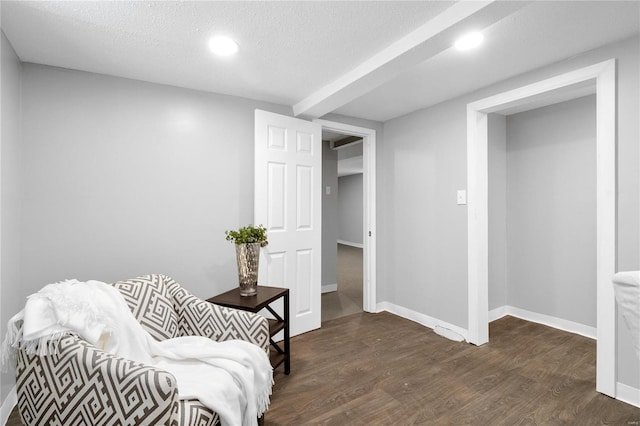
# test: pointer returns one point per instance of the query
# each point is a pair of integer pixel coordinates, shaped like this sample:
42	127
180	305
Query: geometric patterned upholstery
151	304
82	385
192	412
201	318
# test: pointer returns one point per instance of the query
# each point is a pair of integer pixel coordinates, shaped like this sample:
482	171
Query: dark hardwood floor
379	369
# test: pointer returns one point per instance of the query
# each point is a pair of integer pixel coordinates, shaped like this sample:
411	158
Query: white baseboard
626	393
423	319
498	313
7	406
328	288
426	320
559	323
349	243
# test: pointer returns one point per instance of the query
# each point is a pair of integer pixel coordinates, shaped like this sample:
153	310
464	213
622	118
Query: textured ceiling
290	50
287	49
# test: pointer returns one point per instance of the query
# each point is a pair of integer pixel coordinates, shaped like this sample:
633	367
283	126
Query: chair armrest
201	318
81	384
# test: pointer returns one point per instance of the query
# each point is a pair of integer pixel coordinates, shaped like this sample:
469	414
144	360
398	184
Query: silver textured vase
248	256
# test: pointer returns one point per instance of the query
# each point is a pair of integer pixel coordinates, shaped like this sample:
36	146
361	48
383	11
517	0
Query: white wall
123	178
551	210
9	196
350	208
423	164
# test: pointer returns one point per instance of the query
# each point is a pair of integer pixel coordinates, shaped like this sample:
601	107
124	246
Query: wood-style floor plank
381	369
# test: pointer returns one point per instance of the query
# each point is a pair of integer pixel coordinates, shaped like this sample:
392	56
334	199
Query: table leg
287	349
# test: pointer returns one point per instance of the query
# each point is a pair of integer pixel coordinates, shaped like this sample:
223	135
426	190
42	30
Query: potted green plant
248	241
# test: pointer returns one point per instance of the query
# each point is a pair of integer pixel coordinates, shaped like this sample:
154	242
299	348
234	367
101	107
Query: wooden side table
264	297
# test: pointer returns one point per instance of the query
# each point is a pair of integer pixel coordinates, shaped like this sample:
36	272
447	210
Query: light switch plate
462	196
328	190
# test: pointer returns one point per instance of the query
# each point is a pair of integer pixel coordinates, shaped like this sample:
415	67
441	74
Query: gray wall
551	210
329	215
425	241
9	196
424	162
350	208
497	159
123	178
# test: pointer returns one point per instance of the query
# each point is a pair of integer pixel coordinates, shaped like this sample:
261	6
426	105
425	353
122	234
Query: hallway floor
348	299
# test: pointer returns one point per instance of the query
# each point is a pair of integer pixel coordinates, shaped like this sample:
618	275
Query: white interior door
287	201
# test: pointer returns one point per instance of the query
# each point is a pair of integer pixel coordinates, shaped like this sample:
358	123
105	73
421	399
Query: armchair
81	384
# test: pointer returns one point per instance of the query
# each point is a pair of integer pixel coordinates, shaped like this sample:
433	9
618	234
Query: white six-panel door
288	183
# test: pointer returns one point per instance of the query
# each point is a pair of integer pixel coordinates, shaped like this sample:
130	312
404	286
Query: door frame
369	205
601	76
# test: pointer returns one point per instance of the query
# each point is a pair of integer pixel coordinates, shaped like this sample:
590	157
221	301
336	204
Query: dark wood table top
264	296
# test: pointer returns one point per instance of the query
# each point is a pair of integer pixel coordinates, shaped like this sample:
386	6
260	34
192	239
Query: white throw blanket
232	378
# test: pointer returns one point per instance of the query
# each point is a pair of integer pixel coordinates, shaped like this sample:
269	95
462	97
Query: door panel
288	180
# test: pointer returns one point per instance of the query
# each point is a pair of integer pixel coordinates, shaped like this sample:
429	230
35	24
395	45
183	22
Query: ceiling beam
433	37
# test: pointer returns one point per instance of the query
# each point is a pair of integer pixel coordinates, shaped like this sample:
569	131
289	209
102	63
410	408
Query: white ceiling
539	34
368	59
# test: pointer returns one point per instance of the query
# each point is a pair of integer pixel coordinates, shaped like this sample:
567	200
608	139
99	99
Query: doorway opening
368	211
342	225
599	79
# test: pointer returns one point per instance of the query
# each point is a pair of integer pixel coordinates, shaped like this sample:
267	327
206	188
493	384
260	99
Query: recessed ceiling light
223	46
469	41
